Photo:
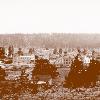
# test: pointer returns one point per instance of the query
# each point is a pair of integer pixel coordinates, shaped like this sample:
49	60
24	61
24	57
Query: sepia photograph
49	50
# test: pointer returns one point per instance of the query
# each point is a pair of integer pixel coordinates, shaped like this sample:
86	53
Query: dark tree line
55	40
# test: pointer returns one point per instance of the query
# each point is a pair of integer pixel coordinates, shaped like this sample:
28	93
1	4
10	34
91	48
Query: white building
43	53
22	60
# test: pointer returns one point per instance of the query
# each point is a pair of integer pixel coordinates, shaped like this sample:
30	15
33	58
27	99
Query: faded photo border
49	50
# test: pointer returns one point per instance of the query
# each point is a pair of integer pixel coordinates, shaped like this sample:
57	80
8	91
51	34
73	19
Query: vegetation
53	40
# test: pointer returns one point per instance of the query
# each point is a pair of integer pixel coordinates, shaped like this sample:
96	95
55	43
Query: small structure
86	61
44	79
66	60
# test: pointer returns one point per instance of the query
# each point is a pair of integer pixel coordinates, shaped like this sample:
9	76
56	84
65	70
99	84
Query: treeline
54	40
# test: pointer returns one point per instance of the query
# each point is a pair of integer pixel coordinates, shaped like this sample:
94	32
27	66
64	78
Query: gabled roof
43	77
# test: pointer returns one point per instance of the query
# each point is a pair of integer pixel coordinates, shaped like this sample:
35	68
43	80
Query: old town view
55	66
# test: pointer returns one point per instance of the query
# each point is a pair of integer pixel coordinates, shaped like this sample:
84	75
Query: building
67	60
24	60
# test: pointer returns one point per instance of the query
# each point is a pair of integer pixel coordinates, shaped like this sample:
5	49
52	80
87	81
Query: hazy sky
29	16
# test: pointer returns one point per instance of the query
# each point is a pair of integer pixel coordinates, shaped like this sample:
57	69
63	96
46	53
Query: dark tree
60	51
55	51
43	67
2	74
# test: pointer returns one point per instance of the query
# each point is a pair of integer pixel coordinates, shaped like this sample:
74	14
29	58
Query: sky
49	16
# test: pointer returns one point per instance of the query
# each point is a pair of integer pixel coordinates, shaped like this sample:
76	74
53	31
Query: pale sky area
34	16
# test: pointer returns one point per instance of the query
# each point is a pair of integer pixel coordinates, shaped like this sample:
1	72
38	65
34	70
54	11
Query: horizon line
11	33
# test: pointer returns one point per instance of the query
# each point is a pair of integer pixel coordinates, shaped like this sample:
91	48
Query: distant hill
50	40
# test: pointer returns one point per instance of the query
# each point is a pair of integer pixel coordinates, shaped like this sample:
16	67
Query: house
26	59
